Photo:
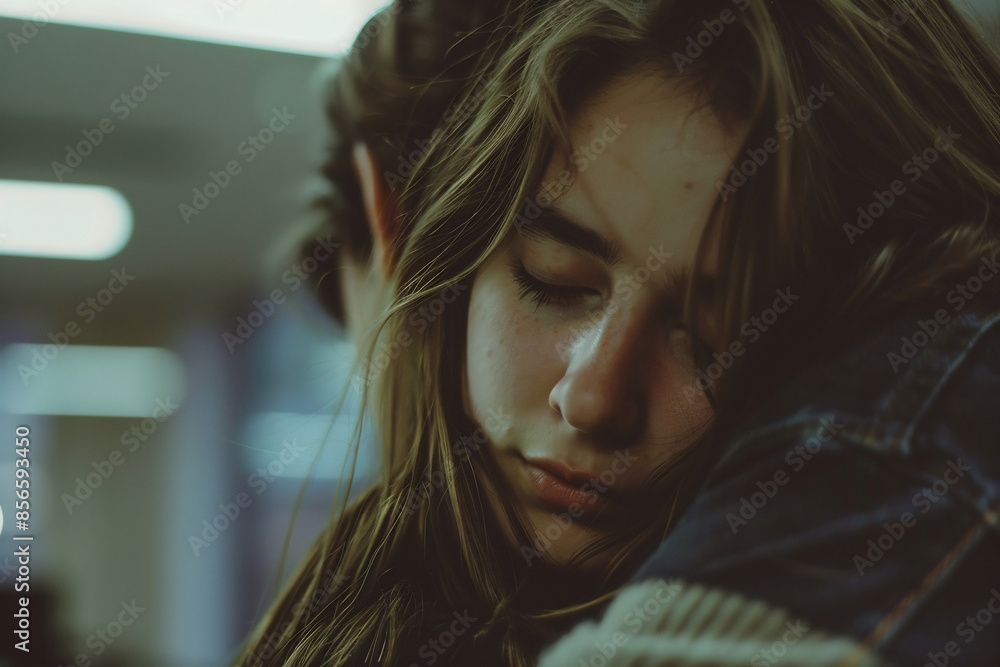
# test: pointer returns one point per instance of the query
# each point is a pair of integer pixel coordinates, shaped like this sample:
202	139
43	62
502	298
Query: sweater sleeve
668	622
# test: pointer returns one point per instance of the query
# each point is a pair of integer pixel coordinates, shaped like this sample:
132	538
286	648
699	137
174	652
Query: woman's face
577	363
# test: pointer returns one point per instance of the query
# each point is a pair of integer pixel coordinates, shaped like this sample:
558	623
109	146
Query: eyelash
543	293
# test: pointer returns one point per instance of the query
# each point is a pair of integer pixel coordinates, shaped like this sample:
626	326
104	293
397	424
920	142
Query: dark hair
391	91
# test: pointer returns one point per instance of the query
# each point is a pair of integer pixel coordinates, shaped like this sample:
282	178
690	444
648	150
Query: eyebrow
555	226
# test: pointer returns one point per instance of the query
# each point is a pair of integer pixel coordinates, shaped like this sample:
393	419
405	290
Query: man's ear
380	207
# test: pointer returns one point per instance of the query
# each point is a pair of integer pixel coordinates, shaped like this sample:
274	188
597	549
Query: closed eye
544	293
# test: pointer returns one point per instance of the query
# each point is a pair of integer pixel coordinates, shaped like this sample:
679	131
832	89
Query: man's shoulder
861	492
923	366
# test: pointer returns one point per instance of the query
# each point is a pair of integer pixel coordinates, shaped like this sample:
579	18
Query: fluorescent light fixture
62	220
299	26
89	380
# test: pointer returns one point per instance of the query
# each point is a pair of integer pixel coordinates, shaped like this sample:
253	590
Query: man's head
395	87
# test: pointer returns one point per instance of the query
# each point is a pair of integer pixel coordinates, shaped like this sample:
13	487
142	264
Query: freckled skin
619	382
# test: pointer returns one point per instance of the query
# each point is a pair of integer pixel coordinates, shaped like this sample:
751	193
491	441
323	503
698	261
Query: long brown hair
783	226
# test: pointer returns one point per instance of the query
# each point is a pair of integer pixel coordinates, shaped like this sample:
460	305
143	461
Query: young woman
656	219
538	547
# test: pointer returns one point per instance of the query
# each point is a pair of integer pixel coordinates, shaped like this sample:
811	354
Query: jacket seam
910	603
934	394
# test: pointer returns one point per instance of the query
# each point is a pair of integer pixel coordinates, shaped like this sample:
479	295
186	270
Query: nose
601	392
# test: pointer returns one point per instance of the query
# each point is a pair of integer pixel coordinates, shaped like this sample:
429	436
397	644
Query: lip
557	469
563	487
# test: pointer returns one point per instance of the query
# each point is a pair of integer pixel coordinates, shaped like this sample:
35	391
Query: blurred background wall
198	333
179	386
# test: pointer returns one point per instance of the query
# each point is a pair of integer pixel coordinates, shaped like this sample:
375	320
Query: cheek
510	355
679	409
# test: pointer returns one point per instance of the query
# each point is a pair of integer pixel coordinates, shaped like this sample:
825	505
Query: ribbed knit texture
673	623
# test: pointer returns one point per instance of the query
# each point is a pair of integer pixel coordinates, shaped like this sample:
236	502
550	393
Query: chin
558	544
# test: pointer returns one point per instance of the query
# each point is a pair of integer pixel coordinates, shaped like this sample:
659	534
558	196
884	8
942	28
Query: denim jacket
856	520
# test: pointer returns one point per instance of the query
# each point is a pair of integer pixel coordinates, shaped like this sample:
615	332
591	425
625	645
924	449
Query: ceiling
64	81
